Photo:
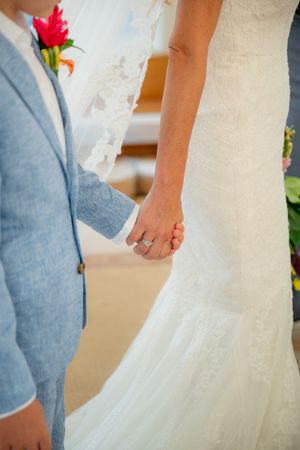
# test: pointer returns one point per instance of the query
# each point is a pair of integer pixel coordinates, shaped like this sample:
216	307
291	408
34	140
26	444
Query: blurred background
122	287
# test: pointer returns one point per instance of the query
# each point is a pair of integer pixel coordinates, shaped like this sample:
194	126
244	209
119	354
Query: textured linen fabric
213	368
19	35
42	294
51	396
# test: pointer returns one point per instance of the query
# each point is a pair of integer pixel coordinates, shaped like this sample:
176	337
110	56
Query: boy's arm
103	208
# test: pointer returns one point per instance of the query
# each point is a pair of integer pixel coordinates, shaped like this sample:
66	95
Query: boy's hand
26	429
178	238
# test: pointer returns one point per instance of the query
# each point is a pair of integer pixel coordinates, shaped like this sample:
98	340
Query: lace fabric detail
213	356
106	98
118	83
261	343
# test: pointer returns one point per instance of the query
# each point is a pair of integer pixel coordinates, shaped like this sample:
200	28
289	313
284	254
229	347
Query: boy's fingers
176	244
178	235
180	226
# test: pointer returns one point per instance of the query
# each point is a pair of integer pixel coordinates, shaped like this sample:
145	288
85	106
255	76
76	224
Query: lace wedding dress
213	367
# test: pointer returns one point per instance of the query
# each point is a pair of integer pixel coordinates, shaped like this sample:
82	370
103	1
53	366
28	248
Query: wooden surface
150	100
153	85
139	150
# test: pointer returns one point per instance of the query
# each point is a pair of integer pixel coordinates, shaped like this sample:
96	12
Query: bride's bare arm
188	48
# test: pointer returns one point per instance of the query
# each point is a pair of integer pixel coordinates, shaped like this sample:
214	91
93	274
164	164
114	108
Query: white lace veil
117	37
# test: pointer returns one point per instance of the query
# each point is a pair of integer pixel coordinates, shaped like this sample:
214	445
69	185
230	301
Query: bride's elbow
181	51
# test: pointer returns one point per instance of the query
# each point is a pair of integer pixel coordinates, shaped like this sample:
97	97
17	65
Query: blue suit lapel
60	99
71	162
16	70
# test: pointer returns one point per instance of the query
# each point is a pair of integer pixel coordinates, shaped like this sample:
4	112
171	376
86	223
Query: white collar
17	32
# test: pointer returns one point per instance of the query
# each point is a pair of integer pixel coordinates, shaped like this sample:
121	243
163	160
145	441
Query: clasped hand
159	221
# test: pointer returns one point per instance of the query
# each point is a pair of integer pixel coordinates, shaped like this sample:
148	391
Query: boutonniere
53	39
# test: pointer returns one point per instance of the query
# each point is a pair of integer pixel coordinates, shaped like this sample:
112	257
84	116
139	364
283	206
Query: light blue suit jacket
42	295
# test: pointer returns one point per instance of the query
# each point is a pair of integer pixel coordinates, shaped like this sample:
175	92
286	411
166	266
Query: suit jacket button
81	268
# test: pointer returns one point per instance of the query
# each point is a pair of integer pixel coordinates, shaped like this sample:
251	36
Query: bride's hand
159	221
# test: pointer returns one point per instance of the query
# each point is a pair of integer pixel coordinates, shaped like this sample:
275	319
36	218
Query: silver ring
147	243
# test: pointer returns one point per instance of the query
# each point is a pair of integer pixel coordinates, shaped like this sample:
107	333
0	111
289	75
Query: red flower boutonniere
53	39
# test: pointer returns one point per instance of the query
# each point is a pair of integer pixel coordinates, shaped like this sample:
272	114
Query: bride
213	367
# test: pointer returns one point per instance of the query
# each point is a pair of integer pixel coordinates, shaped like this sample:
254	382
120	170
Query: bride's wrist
165	195
163	187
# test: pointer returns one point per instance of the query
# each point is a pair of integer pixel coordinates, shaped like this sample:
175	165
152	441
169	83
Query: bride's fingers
141	248
165	251
155	249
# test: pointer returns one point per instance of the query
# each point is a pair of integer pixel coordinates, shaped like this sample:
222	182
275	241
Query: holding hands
158	231
26	429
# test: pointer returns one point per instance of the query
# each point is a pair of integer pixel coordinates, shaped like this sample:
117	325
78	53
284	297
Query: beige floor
119	299
120	295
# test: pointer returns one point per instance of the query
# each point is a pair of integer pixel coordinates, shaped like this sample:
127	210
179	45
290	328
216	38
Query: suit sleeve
100	206
17	386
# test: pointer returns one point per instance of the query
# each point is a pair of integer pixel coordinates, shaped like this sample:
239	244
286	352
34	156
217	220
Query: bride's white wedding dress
213	366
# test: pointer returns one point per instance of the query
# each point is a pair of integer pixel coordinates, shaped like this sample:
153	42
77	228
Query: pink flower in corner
52	31
286	162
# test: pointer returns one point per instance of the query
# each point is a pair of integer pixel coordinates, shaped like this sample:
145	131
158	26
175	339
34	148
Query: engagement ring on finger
147	243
